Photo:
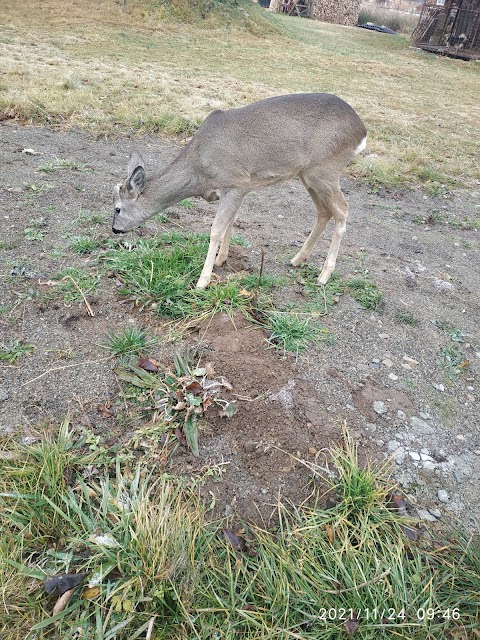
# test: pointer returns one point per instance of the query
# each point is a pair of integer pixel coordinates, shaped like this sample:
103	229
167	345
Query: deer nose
117	209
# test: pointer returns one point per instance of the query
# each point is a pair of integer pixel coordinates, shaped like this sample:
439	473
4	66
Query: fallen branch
89	308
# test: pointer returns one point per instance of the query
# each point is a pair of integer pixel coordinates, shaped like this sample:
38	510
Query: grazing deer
312	136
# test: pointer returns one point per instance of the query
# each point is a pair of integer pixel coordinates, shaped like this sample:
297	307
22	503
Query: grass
83	245
98	68
154	562
131	340
14	349
292	332
60	163
403	316
400	22
72	284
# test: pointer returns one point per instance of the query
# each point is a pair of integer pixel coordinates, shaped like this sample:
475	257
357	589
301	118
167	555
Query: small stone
442	495
393	445
4	395
380	407
376	360
461	437
428	466
410	360
406	366
421	426
387	362
439	387
384	336
426	457
424	415
401	415
476	452
414	455
423	514
393	377
436	513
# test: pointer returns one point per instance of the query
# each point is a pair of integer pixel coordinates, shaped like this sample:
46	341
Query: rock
401	415
380	407
423	514
439	387
426	458
436	513
442	285
428	466
410	360
4	395
384	336
393	377
387	362
421	426
393	445
442	495
414	455
399	455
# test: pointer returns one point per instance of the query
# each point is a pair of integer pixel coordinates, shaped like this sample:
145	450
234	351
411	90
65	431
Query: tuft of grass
70	283
365	292
403	316
293	333
60	163
131	340
13	350
83	245
223	297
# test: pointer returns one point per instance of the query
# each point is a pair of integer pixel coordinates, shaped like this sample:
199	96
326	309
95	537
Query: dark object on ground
62	582
377	27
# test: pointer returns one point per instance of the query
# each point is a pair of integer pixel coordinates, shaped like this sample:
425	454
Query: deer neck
175	183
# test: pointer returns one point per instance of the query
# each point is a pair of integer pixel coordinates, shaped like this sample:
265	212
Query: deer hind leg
339	208
223	222
323	216
330	202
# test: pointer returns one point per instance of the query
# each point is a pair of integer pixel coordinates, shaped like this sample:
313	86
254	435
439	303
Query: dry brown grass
89	65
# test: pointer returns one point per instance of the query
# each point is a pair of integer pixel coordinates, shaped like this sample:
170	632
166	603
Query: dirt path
407	385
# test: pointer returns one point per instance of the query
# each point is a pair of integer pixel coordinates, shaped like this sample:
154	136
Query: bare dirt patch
406	389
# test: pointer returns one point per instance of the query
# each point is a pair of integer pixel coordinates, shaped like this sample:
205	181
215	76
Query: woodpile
337	11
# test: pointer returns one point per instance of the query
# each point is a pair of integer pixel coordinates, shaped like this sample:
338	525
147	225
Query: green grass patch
61	163
403	316
73	284
154	564
130	340
14	349
293	332
83	245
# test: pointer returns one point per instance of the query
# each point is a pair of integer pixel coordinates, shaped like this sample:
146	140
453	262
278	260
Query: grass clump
14	349
160	271
131	340
83	245
61	163
73	284
292	332
366	293
403	316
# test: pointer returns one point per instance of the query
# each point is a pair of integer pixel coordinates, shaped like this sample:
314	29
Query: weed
131	340
403	316
34	231
293	333
11	351
8	245
452	332
453	359
162	218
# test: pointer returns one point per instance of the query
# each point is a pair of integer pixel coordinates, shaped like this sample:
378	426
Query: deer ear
136	174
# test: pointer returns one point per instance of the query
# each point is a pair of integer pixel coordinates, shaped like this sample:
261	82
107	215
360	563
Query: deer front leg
228	206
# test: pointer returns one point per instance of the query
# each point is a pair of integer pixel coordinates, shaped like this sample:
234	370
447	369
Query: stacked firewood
337	11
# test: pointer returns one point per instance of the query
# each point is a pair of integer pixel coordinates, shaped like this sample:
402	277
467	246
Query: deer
312	136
